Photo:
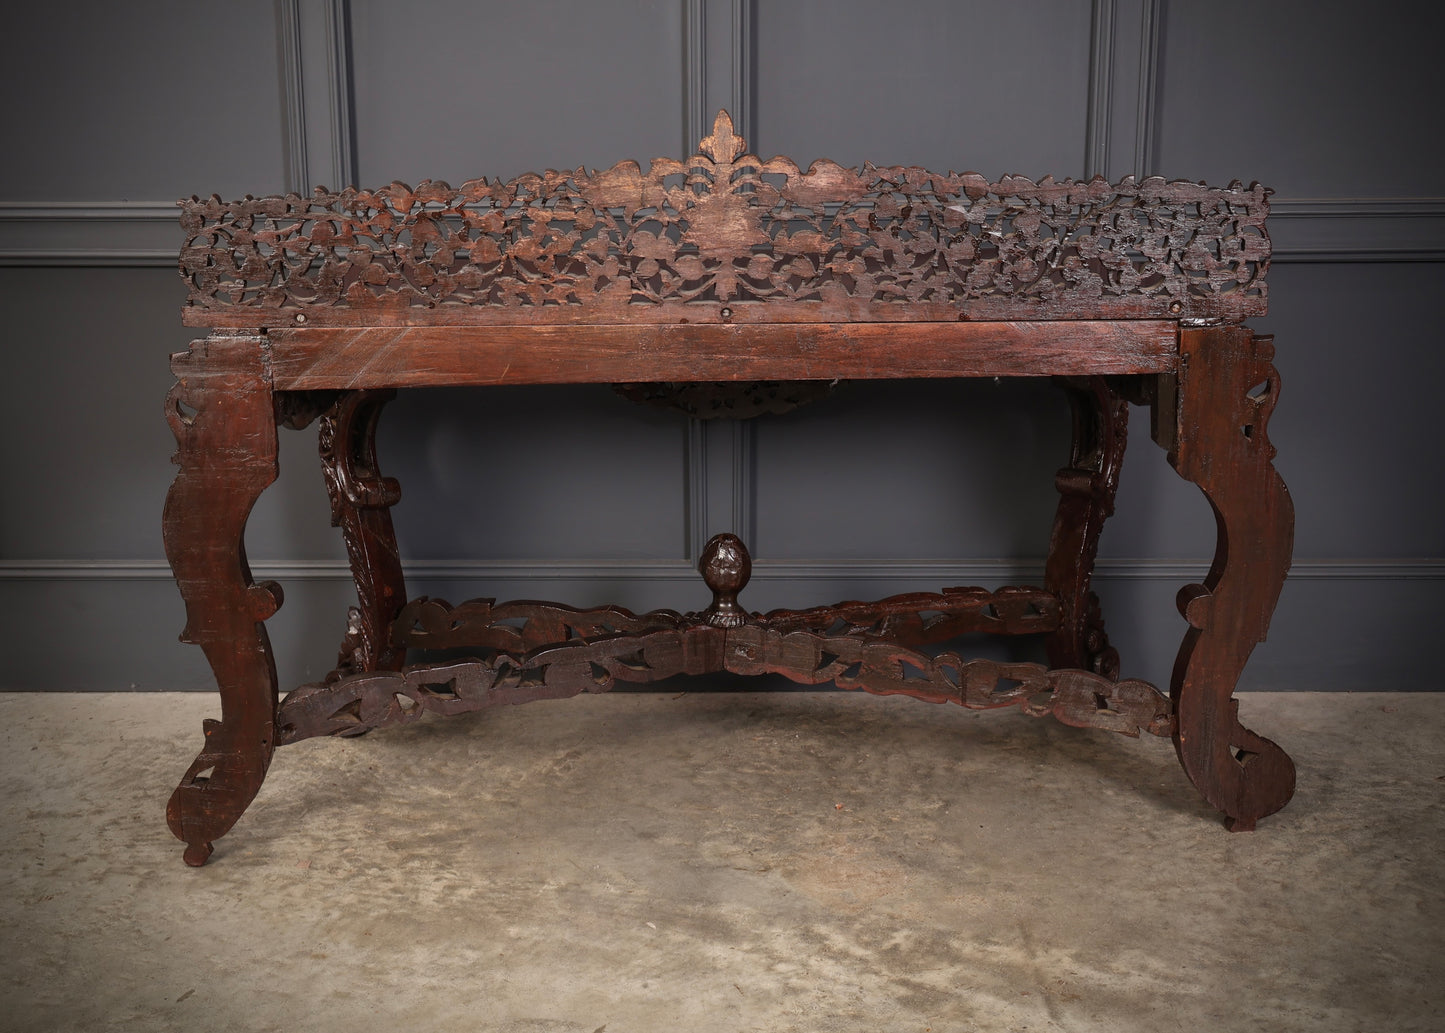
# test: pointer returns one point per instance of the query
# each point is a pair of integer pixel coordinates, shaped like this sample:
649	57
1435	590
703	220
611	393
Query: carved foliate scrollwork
361	702
710	236
913	618
533	650
296	410
1086	499
515	627
361	499
910	619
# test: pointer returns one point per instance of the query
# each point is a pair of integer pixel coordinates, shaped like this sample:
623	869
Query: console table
756	279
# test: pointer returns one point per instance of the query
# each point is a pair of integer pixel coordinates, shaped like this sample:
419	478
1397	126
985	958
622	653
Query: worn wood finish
379	357
725	283
361	501
853	646
354	704
912	619
1222	400
735	400
222	414
1086	499
725	229
923	618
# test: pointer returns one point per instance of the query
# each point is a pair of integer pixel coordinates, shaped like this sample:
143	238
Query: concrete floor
729	862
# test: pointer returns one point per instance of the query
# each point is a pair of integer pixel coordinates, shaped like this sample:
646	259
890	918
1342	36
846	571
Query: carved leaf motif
722	146
678	240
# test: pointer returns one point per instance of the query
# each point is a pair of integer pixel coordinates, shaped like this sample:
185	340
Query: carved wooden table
725	269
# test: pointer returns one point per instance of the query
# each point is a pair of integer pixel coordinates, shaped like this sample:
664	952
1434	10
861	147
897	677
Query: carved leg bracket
1086	499
221	413
1213	418
361	501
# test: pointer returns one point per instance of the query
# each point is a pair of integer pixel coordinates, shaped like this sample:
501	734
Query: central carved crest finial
723	146
725	566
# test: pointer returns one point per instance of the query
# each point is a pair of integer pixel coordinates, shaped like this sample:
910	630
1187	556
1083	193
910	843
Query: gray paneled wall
574	494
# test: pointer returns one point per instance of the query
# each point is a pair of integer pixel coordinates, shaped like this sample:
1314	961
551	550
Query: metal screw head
1176	307
301	317
726	313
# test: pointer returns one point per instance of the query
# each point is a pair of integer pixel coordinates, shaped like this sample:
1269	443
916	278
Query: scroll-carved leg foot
221	412
1218	438
361	501
1086	499
197	854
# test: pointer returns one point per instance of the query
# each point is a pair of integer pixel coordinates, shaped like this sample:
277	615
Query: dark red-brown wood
725	284
1086	499
361	501
224	420
559	652
726	230
378	357
1221	403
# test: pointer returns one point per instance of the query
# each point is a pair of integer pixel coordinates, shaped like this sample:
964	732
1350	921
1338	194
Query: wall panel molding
719	474
290	62
89	233
696	488
694	74
317	103
1124	63
718	65
313	43
743	51
941	572
1146	119
1100	110
1358	229
144	233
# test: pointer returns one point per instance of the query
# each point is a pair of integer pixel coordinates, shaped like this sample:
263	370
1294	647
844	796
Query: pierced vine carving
911	619
914	619
546	651
711	236
357	703
516	627
918	618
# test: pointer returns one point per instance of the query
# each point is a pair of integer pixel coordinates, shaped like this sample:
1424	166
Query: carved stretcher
725	269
